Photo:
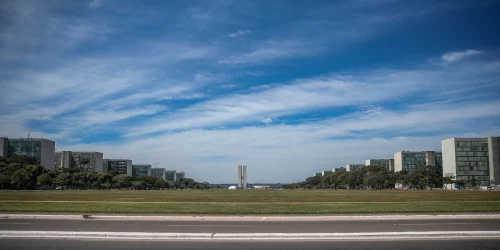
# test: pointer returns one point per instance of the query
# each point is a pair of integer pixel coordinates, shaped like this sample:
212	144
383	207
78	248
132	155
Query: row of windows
485	159
471	143
471	149
472	153
472	163
462	173
482	168
477	178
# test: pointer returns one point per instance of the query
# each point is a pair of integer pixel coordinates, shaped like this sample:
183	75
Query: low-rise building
141	170
475	160
316	174
83	161
325	172
41	149
121	166
353	167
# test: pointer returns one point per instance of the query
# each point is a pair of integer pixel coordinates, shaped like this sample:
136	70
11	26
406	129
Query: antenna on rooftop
29	133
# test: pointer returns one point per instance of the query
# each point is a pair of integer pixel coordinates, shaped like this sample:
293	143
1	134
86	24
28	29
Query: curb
251	218
243	236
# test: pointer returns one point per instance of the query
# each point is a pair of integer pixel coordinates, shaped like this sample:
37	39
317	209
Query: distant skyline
287	88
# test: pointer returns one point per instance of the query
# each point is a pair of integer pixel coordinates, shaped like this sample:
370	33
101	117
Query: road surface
93	225
50	244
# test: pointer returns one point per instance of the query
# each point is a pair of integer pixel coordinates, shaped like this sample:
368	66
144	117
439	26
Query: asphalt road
49	244
250	226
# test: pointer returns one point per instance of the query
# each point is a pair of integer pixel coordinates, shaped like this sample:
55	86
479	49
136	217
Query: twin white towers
242	177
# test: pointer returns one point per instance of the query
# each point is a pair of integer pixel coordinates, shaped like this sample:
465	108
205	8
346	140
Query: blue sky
285	87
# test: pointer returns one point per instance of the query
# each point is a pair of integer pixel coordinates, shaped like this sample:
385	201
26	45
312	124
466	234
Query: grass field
249	202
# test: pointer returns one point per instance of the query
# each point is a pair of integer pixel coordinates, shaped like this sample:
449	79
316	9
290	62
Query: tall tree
20	177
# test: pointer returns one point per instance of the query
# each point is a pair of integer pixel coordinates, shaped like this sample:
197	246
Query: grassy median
249	202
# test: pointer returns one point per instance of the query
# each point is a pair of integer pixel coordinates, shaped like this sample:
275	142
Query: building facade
472	159
413	160
242	176
41	149
170	175
316	174
121	166
159	173
339	169
353	167
84	161
141	170
325	172
387	163
179	176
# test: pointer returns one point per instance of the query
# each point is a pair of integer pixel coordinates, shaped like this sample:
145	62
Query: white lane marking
14	223
427	224
209	225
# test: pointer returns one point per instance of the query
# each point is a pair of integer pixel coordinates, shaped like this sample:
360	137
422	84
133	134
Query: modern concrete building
43	150
317	174
339	169
387	163
179	176
141	170
242	177
325	172
122	166
84	161
353	167
413	160
170	175
159	173
472	159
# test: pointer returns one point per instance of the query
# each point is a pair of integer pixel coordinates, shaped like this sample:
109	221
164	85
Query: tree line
23	172
378	177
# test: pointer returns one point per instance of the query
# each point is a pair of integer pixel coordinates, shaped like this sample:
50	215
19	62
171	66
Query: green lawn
249	202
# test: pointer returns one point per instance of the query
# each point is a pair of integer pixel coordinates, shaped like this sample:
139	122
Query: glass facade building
41	149
411	161
353	167
158	173
84	161
179	176
141	170
470	159
170	175
121	166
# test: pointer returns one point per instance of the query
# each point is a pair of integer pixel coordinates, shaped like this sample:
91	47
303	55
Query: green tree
4	181
62	179
79	180
44	180
20	177
122	181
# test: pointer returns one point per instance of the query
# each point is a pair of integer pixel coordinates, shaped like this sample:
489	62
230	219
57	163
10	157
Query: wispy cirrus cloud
452	57
240	33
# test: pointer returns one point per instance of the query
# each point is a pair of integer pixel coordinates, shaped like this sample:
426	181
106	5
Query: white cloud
301	149
267	120
95	4
240	33
332	91
452	57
